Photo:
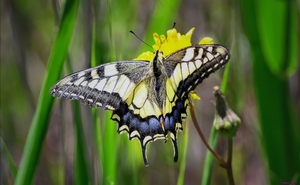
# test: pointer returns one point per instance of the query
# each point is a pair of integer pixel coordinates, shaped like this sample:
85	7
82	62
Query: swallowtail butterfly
148	99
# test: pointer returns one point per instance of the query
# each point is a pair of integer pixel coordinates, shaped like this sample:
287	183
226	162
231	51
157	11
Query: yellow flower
206	40
173	42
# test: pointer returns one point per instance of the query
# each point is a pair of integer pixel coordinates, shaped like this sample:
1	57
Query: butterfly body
148	98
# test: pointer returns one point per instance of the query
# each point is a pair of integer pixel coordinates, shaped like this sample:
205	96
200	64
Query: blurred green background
58	142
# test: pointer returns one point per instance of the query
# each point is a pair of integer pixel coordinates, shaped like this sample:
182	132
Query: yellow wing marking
170	90
221	50
192	67
177	75
149	109
167	107
138	101
140	95
184	70
171	97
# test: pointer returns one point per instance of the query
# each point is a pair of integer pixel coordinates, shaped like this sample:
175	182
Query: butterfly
148	99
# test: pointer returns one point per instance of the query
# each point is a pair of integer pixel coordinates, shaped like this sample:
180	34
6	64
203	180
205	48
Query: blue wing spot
144	127
168	125
134	123
175	114
127	117
154	125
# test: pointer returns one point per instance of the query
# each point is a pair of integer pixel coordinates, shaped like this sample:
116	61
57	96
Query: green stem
209	158
182	168
228	166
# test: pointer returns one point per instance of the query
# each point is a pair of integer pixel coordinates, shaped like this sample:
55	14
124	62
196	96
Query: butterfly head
159	56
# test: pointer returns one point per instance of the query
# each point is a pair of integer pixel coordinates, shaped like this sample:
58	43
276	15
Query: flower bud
226	121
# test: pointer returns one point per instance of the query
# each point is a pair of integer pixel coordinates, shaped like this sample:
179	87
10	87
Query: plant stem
228	166
219	158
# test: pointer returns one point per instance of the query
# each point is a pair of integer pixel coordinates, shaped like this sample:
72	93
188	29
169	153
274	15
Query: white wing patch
189	54
110	70
79	81
200	53
198	63
101	84
93	83
94	74
110	85
209	56
84	83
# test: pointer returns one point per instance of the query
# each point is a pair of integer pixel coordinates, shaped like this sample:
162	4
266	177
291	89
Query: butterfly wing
123	87
189	66
134	92
104	86
185	69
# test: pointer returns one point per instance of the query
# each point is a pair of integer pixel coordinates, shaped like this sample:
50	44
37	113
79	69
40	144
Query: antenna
174	24
140	39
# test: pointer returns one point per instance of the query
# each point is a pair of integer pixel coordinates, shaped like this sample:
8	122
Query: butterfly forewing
103	86
188	67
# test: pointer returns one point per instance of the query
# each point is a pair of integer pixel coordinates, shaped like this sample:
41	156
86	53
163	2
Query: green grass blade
278	125
98	138
184	144
209	158
225	78
8	158
40	121
110	151
81	167
276	33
